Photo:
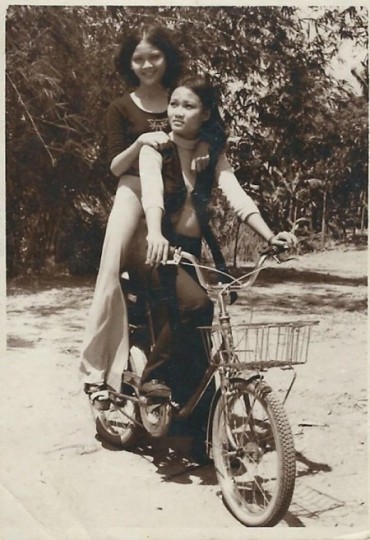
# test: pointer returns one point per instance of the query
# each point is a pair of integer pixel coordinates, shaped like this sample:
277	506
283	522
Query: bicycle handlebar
235	283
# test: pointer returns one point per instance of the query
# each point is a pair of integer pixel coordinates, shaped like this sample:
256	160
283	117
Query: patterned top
126	121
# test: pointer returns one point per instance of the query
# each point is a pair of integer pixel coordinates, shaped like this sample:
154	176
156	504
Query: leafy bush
290	120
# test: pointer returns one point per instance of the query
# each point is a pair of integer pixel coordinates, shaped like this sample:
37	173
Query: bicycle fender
246	376
216	397
261	387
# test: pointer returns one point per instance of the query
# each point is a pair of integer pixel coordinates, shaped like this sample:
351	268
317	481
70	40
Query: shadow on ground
271	276
314	301
170	456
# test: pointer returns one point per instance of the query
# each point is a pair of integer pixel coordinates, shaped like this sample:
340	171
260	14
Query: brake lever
276	259
280	260
176	257
276	252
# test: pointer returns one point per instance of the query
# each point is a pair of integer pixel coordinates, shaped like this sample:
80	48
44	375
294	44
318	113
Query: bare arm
123	161
123	151
158	245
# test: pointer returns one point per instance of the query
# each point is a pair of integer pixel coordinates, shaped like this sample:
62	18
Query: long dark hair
158	37
213	130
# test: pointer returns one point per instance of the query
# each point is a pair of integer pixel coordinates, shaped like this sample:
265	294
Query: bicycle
248	435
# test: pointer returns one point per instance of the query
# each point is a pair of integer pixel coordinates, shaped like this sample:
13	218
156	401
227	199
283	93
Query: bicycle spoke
247	458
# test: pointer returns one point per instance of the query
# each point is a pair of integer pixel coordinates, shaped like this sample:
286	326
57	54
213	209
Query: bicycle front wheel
254	455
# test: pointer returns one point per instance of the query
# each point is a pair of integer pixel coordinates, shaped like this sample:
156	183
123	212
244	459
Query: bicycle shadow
309	502
172	458
312	467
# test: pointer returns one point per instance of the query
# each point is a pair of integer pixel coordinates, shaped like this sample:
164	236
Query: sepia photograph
185	272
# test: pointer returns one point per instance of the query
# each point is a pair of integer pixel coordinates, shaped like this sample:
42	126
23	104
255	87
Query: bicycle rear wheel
118	425
254	455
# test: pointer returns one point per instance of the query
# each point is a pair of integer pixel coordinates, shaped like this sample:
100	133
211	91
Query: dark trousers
179	305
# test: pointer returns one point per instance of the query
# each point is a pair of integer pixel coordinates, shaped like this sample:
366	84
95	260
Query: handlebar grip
274	250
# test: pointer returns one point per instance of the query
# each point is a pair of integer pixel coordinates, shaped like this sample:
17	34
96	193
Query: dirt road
57	481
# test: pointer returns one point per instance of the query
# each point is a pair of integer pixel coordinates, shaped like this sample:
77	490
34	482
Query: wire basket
258	345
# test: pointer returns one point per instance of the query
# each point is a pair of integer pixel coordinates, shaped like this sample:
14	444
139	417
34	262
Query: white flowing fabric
105	348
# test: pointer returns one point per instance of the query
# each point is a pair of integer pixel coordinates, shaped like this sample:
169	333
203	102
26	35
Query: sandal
98	395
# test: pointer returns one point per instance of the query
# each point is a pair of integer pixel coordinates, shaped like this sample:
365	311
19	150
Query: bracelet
269	240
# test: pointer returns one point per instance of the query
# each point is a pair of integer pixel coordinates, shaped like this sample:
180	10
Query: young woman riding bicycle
175	200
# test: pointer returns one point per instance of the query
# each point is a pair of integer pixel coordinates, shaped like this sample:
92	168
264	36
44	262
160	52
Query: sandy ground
58	481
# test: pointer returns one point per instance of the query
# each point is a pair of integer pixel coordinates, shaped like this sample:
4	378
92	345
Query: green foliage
55	129
291	121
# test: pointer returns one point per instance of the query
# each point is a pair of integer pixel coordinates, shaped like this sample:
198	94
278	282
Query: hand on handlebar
158	248
284	240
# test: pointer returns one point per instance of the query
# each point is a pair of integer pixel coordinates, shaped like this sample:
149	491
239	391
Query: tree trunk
323	220
295	217
363	211
236	243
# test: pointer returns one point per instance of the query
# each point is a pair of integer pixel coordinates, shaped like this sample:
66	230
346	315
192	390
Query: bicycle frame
224	320
248	435
236	284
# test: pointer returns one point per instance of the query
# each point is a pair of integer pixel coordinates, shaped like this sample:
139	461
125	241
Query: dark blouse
126	122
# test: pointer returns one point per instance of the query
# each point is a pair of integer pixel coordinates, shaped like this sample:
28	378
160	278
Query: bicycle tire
119	425
116	428
256	435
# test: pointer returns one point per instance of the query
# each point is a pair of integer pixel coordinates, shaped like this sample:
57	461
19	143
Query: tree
282	106
55	128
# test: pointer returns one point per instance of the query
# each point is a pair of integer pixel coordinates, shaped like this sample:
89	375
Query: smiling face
186	113
148	63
